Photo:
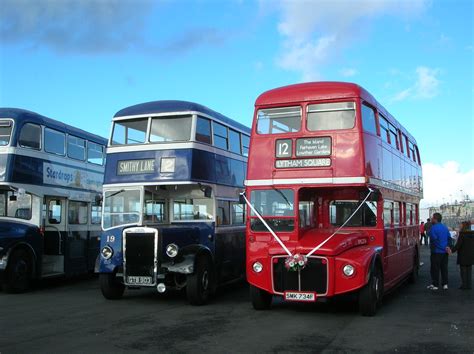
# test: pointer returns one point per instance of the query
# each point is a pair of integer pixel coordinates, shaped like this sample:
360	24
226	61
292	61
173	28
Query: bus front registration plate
299	296
136	280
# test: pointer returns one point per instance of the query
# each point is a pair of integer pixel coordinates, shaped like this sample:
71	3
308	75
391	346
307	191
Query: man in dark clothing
465	248
427	228
439	241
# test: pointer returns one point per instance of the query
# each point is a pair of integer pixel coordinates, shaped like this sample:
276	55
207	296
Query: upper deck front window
127	132
331	116
279	120
5	132
165	129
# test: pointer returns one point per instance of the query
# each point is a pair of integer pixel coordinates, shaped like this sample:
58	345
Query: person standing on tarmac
465	249
422	233
439	242
427	230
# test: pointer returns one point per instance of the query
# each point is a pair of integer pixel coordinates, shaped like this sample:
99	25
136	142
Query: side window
411	146
396	213
95	153
234	141
223	212
5	132
220	135
203	130
387	213
245	145
417	155
30	136
306	213
77	213
409	214
384	131
368	120
405	144
393	136
54	212
96	212
76	148
238	214
54	141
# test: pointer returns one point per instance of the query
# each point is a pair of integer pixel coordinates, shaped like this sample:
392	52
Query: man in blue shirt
439	240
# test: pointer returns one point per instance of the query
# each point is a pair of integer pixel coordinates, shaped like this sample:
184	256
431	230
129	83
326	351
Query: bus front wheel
111	288
18	274
370	296
261	300
200	284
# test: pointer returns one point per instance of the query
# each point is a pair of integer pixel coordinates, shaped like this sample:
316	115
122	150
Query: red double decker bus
333	186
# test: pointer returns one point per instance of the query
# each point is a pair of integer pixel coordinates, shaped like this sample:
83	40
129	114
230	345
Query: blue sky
81	61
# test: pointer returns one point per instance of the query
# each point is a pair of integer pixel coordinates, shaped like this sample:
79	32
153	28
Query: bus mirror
12	198
208	192
241	199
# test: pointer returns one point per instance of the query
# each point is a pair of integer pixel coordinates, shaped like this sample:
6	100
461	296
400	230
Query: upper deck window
95	153
245	145
234	141
220	135
76	148
5	132
384	130
54	141
368	119
331	116
127	132
411	146
203	130
279	120
166	129
30	136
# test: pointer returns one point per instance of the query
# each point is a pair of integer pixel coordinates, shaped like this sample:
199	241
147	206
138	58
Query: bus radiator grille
140	254
312	278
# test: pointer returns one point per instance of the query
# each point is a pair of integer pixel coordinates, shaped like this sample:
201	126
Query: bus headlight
172	250
107	252
348	270
257	267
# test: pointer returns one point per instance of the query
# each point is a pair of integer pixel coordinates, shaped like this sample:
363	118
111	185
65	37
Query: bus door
76	250
54	236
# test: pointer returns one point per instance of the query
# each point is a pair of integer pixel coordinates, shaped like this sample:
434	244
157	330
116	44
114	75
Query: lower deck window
341	210
192	209
276	206
15	205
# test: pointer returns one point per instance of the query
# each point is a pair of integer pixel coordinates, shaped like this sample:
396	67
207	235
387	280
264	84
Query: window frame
308	111
214	134
299	107
367	105
85	147
40	137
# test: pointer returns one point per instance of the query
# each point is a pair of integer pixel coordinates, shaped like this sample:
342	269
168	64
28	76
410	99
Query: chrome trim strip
291	181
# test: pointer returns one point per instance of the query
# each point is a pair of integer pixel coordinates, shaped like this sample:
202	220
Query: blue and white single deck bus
172	217
50	187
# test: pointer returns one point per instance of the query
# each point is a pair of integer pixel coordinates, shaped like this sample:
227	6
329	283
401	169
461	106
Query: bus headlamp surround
348	270
107	252
257	267
172	250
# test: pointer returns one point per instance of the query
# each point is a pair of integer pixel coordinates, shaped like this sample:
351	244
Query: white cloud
314	32
444	183
426	85
348	72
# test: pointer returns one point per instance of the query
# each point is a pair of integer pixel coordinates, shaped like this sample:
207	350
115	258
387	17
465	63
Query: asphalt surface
72	317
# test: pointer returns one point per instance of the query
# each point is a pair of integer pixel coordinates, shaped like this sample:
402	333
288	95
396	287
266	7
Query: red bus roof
323	90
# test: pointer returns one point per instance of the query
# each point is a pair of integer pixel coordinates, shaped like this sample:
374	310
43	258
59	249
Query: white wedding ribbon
318	246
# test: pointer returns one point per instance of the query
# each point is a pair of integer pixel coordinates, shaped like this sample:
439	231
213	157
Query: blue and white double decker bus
172	217
50	187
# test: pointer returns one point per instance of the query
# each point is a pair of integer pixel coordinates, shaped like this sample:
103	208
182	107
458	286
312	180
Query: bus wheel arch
370	296
261	299
21	269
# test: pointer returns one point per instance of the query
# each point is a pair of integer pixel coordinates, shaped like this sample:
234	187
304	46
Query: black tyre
416	268
370	296
18	273
200	284
111	288
261	300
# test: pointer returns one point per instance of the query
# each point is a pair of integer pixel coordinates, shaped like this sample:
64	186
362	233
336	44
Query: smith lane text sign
313	146
127	167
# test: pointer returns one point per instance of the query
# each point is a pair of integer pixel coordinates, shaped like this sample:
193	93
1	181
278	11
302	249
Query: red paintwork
354	154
